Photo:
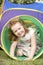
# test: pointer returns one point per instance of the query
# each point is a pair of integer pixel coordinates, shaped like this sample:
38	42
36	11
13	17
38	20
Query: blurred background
1	6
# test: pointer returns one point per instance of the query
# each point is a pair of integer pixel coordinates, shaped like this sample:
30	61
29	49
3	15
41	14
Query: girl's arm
12	48
33	45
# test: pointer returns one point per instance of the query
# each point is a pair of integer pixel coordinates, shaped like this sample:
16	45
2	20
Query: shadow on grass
5	60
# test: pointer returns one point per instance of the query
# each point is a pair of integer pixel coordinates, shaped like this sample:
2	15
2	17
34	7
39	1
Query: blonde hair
13	37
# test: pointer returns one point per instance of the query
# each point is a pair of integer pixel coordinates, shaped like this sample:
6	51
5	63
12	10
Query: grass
5	60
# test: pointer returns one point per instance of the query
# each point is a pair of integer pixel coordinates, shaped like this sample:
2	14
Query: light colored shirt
25	42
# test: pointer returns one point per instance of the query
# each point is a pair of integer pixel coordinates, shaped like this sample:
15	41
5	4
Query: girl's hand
12	48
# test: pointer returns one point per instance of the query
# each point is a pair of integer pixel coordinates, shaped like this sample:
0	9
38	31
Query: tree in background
1	1
22	1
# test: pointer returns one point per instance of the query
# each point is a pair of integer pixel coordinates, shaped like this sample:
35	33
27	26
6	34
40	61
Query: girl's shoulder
31	30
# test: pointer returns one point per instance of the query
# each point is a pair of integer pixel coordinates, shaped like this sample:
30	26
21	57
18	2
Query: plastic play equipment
6	43
35	6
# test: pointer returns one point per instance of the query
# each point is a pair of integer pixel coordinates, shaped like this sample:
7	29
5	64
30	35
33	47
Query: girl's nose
18	32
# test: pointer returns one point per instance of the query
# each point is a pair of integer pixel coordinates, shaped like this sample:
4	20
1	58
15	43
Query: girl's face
18	29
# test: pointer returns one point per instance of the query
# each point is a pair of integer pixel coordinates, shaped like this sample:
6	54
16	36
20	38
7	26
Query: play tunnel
6	43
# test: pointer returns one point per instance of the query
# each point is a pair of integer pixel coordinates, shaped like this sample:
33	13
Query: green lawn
5	60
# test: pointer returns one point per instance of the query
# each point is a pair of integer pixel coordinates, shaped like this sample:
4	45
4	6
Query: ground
5	60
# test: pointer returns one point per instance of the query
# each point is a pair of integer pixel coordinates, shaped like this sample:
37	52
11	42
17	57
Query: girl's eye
16	31
19	28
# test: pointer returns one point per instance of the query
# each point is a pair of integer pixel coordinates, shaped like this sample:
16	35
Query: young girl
25	41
